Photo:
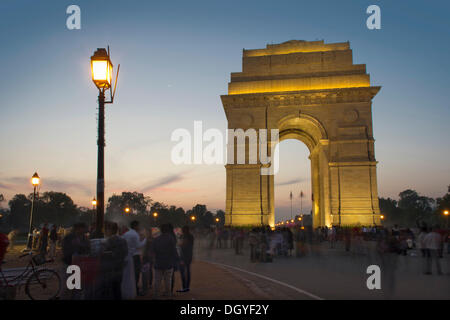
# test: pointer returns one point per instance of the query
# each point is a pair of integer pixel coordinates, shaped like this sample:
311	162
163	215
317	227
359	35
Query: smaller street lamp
35	181
193	218
155	214
127	210
94	203
446	215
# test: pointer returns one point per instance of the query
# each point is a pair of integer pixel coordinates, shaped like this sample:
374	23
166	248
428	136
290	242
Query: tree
392	213
137	202
221	215
416	208
56	208
204	218
442	205
20	207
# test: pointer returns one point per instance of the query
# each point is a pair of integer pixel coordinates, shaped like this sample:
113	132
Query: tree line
409	210
58	208
413	209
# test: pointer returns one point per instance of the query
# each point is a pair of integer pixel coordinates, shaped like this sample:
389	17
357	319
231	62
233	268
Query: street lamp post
446	215
35	180
94	204
102	70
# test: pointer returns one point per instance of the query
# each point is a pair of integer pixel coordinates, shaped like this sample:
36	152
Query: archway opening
294	175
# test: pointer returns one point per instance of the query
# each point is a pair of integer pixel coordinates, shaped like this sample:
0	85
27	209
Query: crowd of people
44	239
265	244
129	261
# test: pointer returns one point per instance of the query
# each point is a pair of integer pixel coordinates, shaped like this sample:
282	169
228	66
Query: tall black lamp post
102	70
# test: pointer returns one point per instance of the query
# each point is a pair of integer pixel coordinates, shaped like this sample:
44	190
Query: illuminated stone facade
310	91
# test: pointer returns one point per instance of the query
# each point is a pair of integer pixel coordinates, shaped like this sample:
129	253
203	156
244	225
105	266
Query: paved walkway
209	282
336	274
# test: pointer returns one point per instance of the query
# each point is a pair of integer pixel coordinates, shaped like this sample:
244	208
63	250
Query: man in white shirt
432	242
135	242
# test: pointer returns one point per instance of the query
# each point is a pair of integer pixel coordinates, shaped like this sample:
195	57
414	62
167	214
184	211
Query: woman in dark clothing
186	252
147	264
177	259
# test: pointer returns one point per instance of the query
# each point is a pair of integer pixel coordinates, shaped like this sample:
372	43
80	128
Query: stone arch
305	89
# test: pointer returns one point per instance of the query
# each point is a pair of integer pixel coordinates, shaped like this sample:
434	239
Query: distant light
381	217
193	218
94	202
127	209
155	214
446	212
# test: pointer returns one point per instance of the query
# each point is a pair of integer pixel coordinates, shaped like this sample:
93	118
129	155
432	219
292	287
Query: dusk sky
176	58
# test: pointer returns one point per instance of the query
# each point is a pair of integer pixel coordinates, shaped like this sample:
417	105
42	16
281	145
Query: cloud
163	182
293	181
174	190
61	185
5	186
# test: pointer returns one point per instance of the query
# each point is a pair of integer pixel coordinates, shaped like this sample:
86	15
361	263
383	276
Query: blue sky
176	58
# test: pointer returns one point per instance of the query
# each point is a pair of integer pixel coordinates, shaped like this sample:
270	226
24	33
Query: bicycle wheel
44	284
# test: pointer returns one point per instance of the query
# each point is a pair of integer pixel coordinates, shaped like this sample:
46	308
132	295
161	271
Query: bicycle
40	284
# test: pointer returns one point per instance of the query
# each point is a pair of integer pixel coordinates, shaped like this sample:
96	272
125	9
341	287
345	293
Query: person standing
44	239
290	241
35	238
53	239
74	244
135	242
147	264
422	247
165	254
253	242
433	241
186	253
113	262
12	238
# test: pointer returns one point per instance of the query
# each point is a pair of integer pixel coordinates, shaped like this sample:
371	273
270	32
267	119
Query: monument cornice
304	97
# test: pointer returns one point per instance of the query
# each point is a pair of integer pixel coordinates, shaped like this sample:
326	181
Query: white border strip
306	293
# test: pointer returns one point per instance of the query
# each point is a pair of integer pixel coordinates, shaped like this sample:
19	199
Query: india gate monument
310	91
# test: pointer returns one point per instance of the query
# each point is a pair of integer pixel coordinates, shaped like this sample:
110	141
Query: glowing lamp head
155	214
382	217
101	67
292	220
35	180
94	202
446	212
127	210
217	219
193	218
